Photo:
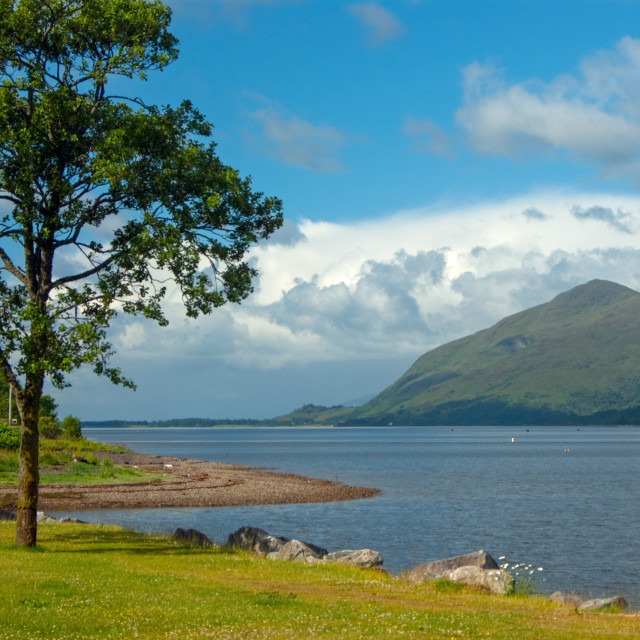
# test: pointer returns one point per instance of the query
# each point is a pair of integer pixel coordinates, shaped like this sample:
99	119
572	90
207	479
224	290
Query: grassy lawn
102	582
57	464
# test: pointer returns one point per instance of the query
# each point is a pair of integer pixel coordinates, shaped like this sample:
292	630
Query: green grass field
57	464
102	582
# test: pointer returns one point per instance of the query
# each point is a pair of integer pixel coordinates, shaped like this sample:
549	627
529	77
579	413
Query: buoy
513	439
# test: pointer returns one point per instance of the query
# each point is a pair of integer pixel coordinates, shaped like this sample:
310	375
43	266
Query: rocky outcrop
436	569
255	540
193	537
297	551
263	544
617	603
497	581
361	558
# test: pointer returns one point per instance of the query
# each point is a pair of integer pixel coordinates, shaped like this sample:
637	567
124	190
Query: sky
442	164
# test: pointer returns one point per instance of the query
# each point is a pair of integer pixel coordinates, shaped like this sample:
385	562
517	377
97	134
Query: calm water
565	499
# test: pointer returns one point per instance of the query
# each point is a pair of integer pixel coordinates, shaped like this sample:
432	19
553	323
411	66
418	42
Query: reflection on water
561	498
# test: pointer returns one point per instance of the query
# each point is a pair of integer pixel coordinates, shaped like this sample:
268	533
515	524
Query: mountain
574	360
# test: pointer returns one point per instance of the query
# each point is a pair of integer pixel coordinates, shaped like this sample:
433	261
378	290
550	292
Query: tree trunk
29	474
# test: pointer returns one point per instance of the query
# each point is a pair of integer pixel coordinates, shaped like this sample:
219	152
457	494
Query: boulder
7	515
41	516
72	520
436	569
255	540
497	581
192	537
361	558
298	551
617	603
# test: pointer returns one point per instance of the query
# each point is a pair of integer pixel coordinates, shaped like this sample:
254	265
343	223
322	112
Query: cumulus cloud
342	310
592	114
296	141
381	24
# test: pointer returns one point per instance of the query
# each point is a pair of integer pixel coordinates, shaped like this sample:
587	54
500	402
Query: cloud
427	137
381	24
592	115
342	310
296	141
618	220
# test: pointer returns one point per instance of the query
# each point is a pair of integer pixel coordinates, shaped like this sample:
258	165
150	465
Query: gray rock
361	558
298	551
566	599
7	515
617	603
72	520
495	580
437	568
255	540
41	516
192	537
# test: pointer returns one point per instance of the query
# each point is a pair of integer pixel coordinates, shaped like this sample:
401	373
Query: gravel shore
190	483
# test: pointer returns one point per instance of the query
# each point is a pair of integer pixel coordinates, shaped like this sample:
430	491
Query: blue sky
443	163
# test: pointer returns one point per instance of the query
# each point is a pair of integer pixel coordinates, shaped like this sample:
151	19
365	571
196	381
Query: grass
57	464
85	582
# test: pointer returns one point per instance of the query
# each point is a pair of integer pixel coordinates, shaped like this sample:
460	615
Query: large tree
104	200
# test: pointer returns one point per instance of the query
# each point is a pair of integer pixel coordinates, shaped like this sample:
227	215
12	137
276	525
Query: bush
71	428
49	427
9	437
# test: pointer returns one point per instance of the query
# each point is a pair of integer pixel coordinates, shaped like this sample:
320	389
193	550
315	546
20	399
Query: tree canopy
104	200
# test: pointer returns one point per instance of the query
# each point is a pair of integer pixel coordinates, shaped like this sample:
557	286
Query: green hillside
574	360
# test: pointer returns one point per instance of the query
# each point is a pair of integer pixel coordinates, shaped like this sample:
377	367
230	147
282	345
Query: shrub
49	427
9	437
71	428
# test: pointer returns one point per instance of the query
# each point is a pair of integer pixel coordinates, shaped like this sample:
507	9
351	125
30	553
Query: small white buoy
513	439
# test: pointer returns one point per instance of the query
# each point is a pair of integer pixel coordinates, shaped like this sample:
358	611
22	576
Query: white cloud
381	24
297	141
404	284
342	310
593	115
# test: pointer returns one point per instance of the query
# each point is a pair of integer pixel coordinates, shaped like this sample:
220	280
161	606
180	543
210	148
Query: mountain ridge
573	360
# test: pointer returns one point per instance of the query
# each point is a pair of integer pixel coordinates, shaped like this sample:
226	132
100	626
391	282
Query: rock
41	516
298	552
361	558
72	520
192	537
495	580
566	599
255	540
617	603
437	568
7	515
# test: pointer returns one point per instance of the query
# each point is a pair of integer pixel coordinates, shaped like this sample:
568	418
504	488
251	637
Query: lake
562	498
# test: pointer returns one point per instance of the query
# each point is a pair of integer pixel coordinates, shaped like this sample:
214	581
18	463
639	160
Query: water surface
562	498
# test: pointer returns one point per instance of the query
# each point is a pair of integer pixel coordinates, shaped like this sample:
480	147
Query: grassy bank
101	582
73	462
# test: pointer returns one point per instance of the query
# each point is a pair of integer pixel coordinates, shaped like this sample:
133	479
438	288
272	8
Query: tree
78	162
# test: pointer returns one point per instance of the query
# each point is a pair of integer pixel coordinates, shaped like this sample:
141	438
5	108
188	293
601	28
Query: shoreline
189	483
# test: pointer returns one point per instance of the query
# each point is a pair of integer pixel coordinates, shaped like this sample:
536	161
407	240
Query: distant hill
574	360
